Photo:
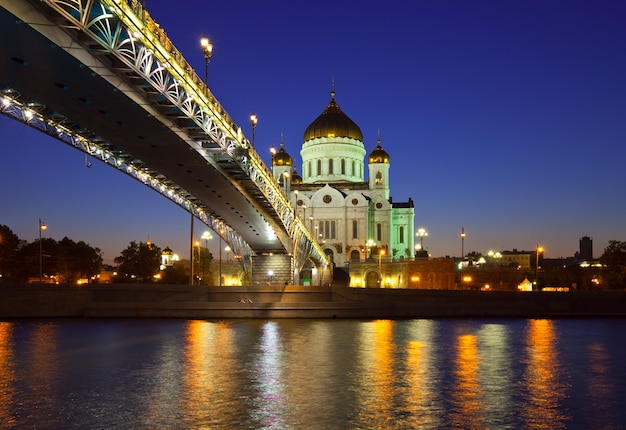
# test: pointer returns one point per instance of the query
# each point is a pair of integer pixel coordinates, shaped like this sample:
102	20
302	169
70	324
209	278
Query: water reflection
208	378
467	392
544	382
312	374
7	373
375	369
268	405
422	378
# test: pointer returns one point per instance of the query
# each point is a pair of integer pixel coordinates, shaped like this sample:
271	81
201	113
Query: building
353	217
344	196
585	248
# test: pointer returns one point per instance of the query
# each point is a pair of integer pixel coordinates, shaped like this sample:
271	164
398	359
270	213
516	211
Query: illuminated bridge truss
125	31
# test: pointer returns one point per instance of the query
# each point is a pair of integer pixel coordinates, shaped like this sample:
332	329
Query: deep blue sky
507	118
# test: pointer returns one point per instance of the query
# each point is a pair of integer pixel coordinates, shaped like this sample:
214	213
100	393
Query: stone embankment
201	302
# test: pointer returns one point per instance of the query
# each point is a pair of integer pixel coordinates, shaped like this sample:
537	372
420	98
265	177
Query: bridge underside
144	129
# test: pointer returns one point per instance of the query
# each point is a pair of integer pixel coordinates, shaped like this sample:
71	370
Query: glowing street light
421	233
462	242
254	120
42	226
227	249
207	49
206	236
380	257
537	251
369	244
221	234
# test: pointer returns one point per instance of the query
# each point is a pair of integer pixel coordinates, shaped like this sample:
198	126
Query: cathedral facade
343	194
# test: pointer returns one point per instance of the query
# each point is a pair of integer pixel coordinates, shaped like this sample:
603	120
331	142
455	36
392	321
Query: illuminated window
379	178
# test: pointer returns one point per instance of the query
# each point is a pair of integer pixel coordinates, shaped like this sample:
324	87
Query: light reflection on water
293	374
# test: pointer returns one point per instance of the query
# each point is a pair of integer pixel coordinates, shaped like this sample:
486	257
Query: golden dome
295	176
333	123
378	155
281	158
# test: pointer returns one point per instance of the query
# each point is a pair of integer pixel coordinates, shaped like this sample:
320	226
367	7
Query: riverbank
201	302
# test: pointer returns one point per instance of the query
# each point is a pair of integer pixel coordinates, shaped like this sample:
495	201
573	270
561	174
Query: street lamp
537	251
369	245
253	120
221	234
42	226
207	49
421	233
206	236
197	243
462	242
380	257
227	249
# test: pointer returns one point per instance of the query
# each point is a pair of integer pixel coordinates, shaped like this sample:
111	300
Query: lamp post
369	244
206	236
253	120
207	49
537	251
197	244
221	233
42	226
421	233
462	243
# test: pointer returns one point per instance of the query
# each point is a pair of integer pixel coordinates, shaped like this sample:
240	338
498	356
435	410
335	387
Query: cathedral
346	204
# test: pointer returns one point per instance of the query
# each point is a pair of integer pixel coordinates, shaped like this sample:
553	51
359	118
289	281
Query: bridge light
207	49
253	120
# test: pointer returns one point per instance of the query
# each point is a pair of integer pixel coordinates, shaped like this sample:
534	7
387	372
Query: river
313	374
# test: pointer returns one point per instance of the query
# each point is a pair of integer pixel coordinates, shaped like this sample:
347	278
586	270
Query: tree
74	261
614	258
9	243
138	263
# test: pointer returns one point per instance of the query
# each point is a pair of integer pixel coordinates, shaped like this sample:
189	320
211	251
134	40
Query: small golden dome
281	158
295	177
333	123
378	155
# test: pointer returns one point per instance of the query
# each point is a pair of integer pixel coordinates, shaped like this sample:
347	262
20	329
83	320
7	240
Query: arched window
343	166
379	232
353	168
330	166
319	167
379	178
355	229
309	170
401	234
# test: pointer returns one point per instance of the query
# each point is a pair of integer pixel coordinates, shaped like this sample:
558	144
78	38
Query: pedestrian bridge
103	77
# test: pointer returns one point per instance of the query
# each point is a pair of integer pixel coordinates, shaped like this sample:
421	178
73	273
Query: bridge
103	77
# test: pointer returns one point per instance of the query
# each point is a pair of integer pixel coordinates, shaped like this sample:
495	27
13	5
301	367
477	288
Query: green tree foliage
9	243
138	263
614	258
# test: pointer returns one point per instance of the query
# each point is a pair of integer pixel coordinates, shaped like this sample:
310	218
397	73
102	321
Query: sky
505	118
